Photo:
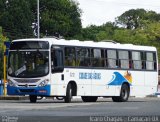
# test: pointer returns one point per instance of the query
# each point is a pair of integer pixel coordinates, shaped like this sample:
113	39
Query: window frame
154	61
126	59
105	58
108	59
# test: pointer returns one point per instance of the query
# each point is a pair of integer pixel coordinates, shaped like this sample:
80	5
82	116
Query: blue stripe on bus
118	79
39	91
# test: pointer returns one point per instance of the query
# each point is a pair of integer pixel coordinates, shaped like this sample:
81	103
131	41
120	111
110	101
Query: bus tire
68	96
124	94
89	99
33	98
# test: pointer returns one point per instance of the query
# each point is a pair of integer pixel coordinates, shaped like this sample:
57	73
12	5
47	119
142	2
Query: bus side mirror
57	64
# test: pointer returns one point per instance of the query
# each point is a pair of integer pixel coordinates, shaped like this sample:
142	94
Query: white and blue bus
50	67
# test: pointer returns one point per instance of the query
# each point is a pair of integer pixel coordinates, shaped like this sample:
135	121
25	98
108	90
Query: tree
16	18
90	32
56	17
137	18
106	31
98	33
139	27
60	17
2	39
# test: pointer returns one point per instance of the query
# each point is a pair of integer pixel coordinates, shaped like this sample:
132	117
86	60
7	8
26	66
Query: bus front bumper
39	91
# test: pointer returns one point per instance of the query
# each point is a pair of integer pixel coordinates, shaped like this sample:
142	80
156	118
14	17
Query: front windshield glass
28	63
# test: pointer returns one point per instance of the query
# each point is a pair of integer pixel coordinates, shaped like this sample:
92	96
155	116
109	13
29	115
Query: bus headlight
44	83
11	83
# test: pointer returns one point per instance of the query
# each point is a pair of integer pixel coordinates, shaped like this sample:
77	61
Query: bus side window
123	59
150	61
57	60
97	57
83	57
112	59
70	56
137	60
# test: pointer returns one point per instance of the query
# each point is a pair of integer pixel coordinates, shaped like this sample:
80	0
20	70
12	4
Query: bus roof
103	44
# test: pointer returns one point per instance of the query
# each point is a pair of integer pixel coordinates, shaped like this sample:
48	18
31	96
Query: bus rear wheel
33	98
89	98
68	96
124	94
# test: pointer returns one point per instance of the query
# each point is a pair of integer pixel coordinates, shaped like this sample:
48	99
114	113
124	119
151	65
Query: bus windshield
25	64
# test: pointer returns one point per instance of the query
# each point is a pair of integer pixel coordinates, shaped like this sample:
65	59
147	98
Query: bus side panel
111	81
151	78
58	87
59	82
100	82
151	82
138	84
144	83
80	77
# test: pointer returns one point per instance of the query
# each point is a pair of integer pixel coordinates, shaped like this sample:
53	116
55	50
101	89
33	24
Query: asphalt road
136	109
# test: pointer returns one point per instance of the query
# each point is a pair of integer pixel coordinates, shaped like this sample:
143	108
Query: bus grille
27	80
27	90
27	85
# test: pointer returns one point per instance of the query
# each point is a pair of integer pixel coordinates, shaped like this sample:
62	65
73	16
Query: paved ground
52	110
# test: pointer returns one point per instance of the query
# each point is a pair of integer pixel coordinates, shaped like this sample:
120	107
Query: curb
151	96
14	97
157	93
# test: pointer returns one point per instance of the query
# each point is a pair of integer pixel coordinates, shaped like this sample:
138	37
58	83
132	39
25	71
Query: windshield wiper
20	70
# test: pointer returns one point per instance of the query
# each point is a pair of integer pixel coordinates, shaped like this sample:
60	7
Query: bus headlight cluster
11	83
44	83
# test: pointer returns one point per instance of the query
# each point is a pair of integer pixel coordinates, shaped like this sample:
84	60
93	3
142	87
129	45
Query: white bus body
140	78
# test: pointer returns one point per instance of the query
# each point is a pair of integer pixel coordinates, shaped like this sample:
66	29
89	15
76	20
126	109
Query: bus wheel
33	98
89	99
68	96
124	94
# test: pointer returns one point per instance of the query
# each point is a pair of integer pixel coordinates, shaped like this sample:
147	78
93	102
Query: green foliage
16	18
90	32
106	31
60	17
2	39
137	18
102	35
98	33
138	27
56	16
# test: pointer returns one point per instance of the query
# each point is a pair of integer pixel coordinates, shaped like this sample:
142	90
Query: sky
98	12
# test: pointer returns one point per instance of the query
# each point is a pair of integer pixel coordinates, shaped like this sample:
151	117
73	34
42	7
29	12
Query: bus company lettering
86	75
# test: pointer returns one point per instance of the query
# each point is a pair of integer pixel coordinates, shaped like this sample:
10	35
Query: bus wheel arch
124	93
70	91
